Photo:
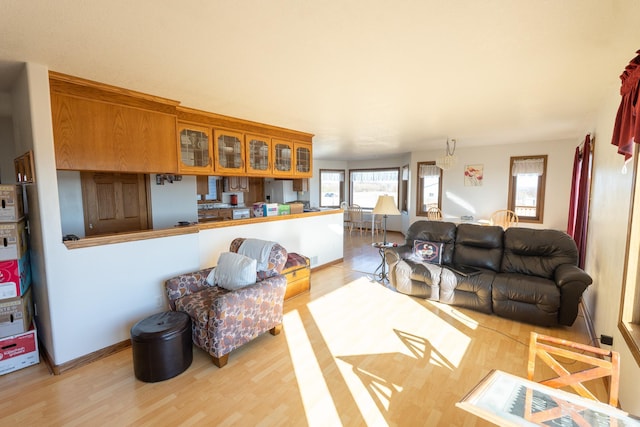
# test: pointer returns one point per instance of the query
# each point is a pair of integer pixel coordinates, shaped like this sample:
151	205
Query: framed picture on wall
473	175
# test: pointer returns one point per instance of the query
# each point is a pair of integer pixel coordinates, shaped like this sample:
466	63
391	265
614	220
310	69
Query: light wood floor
352	353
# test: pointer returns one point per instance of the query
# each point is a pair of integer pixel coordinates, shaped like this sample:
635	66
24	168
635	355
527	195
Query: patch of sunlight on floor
363	317
315	395
453	312
363	323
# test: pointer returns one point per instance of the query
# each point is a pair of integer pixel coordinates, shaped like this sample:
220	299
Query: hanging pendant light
445	162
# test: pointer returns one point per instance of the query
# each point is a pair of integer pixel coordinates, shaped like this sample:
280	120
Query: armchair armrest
186	284
572	282
268	292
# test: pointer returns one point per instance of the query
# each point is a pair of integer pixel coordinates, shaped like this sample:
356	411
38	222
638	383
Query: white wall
481	201
606	243
7	151
173	202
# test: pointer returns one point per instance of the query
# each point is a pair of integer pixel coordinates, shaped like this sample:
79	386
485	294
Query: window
429	187
629	316
331	187
526	187
368	184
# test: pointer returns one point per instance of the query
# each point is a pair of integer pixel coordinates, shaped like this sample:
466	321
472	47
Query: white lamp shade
386	206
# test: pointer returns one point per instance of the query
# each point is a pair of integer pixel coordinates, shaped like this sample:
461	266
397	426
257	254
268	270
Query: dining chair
356	219
586	363
434	214
505	218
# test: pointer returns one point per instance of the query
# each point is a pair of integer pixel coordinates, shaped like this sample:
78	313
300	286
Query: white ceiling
370	78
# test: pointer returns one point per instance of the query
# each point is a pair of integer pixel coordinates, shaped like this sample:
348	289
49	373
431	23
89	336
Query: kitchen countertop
185	229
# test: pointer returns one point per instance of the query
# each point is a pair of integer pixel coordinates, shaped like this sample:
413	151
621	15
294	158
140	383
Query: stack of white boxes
18	341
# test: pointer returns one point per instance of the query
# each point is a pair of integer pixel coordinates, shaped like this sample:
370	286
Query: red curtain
579	201
627	127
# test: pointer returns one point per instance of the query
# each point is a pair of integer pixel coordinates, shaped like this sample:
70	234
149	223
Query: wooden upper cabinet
195	149
258	155
282	157
303	161
229	147
97	127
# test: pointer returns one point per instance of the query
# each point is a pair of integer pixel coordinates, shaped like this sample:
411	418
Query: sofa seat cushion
472	291
529	299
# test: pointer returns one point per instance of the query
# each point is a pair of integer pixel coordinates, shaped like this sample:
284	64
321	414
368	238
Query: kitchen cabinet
282	157
258	151
207	213
303	162
233	184
97	127
301	184
195	149
229	152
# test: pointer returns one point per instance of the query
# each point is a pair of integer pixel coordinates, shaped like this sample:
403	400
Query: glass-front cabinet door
303	159
258	149
282	157
230	151
195	148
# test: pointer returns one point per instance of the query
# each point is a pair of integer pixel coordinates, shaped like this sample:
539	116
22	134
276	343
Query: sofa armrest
572	282
395	254
186	284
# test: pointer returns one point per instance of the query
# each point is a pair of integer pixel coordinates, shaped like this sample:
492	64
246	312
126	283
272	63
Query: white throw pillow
234	271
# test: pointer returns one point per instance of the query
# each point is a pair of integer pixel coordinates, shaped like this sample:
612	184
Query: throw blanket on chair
258	250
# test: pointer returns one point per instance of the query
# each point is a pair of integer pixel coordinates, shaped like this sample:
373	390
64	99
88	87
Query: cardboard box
270	209
11	206
19	351
16	314
296	208
15	277
284	210
13	240
257	209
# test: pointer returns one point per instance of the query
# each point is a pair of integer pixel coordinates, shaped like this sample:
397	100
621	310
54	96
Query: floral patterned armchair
223	320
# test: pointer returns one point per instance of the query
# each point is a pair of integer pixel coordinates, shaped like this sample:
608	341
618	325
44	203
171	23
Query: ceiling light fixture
445	162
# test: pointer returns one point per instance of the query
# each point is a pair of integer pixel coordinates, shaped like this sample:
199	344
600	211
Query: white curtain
374	176
428	170
332	176
528	166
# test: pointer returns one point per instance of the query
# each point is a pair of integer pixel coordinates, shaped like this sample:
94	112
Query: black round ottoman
161	346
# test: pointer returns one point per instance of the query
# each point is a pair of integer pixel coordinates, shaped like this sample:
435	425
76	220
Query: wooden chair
434	214
591	364
504	218
356	219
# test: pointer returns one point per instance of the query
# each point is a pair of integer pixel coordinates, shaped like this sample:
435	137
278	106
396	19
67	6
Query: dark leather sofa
525	274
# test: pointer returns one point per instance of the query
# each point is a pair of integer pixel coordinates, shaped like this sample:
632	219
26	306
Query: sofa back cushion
479	246
436	232
537	252
276	260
